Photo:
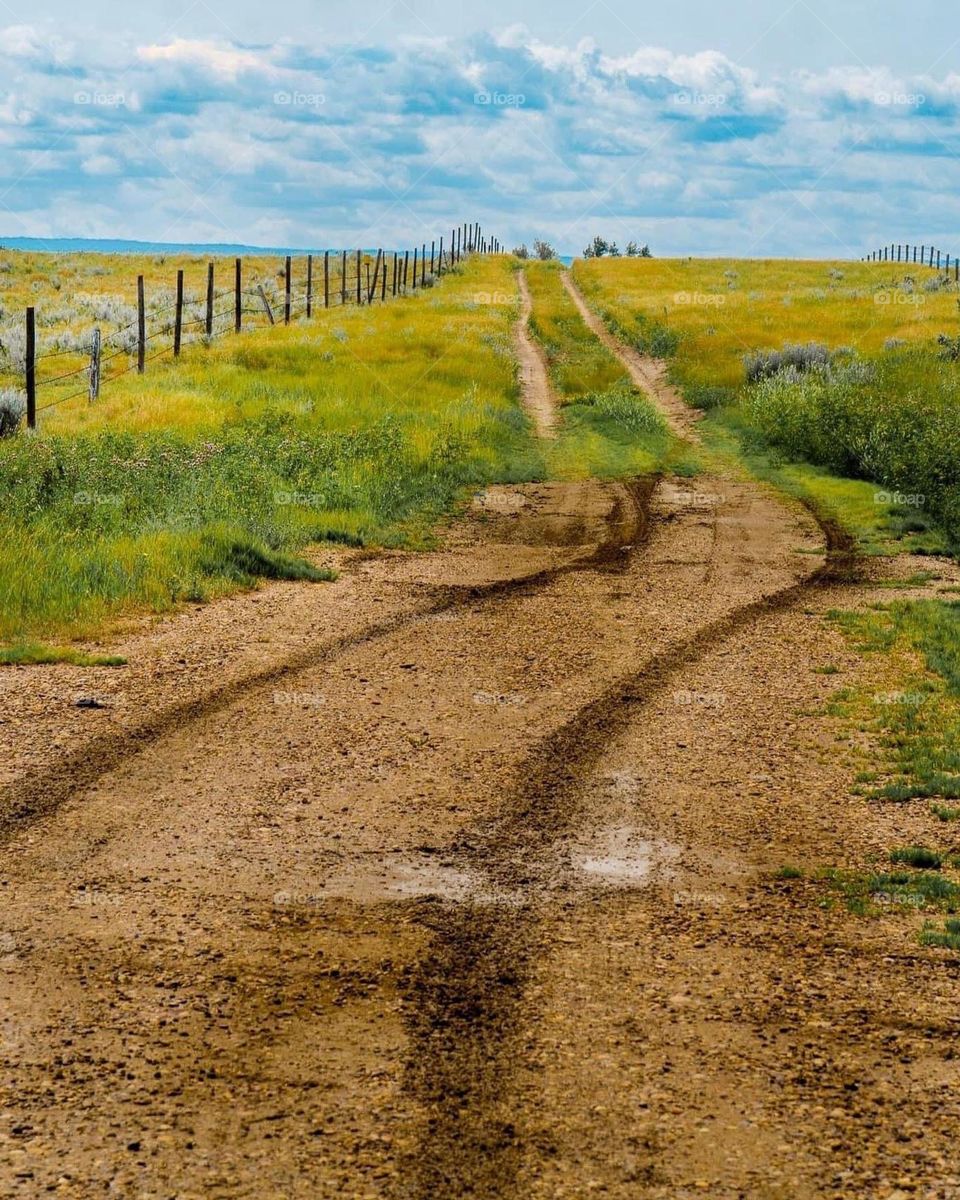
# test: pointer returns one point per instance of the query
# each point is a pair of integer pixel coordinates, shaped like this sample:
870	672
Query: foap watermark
499	298
907	699
700	299
688	699
97	499
300	99
901	499
691	499
899	299
500	99
299	499
299	699
288	899
695	99
900	99
499	699
85	897
100	99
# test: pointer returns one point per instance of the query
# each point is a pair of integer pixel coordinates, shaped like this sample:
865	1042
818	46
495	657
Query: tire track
468	998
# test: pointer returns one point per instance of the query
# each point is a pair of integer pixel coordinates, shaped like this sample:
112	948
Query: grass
948	938
916	724
867	893
608	428
873	437
362	426
917	856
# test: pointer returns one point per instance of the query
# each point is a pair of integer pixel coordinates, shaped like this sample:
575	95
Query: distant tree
635	251
597	248
543	250
614	250
521	251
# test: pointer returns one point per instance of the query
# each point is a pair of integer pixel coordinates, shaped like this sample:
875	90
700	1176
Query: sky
776	127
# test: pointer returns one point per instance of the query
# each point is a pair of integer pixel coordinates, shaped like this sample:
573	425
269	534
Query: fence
337	278
923	256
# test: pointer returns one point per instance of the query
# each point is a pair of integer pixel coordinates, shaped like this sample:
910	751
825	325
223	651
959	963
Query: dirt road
456	878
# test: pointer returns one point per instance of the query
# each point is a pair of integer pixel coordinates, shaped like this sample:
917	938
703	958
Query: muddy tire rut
463	890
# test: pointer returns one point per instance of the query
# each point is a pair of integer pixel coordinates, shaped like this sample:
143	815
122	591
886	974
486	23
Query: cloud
203	139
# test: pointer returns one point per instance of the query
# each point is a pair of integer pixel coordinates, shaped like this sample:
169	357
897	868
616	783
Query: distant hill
120	246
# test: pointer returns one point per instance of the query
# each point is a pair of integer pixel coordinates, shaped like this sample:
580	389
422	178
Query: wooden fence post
440	259
394	273
414	269
178	324
31	368
209	322
266	304
433	246
406	260
371	288
343	278
383	278
95	366
287	276
359	261
237	295
141	327
326	279
309	286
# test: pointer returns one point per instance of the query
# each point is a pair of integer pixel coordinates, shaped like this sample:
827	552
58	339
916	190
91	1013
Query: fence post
414	269
383	277
141	327
433	246
406	260
237	295
359	269
95	366
266	304
371	288
440	259
287	274
395	261
209	324
178	325
343	278
938	260
326	279
309	286
31	368
931	256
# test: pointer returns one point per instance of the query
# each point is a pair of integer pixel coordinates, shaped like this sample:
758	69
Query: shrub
13	404
766	363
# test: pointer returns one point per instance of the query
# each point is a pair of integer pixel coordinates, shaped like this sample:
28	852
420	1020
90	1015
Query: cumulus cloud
358	144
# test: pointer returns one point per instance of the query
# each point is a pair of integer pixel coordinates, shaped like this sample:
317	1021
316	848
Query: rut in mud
461	887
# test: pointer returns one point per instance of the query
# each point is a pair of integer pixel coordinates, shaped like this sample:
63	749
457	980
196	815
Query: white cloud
226	62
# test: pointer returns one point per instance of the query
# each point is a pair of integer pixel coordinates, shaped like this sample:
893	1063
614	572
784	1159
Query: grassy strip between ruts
874	405
608	428
207	475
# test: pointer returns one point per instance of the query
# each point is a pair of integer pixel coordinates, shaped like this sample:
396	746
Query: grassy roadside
362	426
608	428
851	402
828	381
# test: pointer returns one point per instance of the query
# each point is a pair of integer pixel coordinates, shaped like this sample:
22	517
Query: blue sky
796	128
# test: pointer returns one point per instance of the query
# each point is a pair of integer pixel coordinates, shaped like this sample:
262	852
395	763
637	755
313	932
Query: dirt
456	878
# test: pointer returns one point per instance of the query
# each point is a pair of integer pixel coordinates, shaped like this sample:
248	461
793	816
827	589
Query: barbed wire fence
921	256
334	279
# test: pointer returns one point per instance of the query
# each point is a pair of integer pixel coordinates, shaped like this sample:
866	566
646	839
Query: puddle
407	877
619	856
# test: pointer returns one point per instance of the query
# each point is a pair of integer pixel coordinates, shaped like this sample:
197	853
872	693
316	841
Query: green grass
362	427
32	653
917	856
917	722
608	428
948	938
873	439
867	893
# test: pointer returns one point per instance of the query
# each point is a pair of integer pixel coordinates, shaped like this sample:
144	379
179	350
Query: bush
12	407
766	363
